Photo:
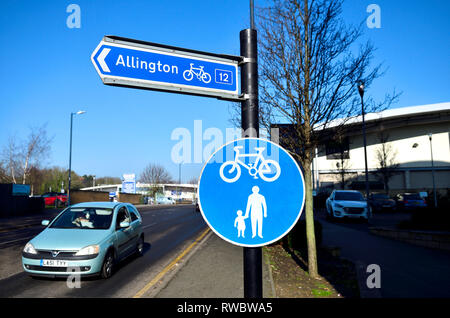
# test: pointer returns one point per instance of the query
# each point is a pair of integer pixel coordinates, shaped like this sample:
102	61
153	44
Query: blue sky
46	72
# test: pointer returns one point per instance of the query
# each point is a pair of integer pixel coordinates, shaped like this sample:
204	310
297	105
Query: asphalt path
167	230
407	271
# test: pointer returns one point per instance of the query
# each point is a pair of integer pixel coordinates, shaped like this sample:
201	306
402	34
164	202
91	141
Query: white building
187	192
408	146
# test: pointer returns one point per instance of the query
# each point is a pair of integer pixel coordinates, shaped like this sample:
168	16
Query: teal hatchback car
86	238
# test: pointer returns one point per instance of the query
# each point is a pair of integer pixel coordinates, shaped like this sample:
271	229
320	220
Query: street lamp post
361	93
70	153
430	135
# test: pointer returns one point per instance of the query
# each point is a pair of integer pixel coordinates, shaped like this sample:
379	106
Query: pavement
213	270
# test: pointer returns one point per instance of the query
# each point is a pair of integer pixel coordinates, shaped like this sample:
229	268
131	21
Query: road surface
168	231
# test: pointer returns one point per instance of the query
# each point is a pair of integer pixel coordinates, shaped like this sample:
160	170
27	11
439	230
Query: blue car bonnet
68	239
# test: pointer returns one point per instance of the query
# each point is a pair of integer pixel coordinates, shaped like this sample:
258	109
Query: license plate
53	263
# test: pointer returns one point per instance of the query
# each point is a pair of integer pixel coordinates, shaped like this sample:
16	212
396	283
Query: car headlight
337	205
29	248
88	250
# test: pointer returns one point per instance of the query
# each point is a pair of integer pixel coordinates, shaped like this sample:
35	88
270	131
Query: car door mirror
45	222
124	224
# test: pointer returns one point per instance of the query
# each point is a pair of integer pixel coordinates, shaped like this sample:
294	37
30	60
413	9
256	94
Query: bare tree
193	180
386	160
155	174
310	62
36	149
10	157
108	180
21	157
4	175
343	165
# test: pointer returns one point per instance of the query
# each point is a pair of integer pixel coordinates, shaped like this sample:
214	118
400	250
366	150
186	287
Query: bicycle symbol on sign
197	71
261	167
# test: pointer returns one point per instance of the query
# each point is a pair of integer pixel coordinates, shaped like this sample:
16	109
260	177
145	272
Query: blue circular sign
251	192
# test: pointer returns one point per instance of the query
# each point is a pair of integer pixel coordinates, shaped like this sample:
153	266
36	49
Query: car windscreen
84	218
348	196
380	196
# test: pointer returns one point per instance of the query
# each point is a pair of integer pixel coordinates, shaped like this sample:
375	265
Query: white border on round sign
279	237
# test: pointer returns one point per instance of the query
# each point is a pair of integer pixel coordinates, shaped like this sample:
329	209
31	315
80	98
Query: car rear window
413	196
380	196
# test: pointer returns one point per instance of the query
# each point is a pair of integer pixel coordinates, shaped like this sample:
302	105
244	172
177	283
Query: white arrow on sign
101	60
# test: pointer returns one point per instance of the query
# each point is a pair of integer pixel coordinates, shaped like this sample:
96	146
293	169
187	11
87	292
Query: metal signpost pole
70	160
250	127
361	93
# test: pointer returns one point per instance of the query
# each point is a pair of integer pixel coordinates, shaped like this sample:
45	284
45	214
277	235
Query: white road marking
25	238
144	227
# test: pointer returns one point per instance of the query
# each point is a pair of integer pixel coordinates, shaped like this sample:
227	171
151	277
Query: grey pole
361	93
70	160
250	127
70	153
432	170
252	15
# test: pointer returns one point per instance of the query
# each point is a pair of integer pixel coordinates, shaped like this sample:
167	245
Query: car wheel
108	265
140	246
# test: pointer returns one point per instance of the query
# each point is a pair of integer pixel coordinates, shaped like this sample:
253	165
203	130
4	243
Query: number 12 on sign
224	77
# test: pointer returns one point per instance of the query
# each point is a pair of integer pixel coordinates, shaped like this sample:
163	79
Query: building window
338	150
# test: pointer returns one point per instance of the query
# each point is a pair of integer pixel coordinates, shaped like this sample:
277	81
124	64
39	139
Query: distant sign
21	190
132	63
129	183
129	177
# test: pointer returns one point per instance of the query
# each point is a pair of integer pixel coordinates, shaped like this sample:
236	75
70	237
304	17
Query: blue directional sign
129	183
251	192
152	66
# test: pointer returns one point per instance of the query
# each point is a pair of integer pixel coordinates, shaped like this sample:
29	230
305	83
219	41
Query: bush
297	237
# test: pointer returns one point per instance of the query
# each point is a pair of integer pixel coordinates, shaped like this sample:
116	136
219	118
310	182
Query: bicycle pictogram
197	71
267	169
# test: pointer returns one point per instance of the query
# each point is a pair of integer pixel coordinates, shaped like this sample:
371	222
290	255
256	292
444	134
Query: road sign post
145	65
250	126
